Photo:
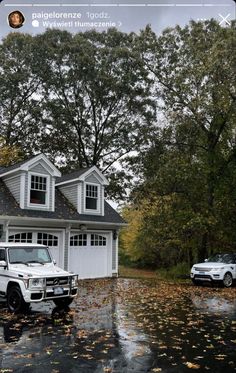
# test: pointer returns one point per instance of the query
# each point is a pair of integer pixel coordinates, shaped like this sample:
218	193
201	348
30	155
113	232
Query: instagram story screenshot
117	186
132	16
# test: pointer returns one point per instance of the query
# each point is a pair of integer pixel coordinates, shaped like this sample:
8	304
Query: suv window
222	258
26	255
2	254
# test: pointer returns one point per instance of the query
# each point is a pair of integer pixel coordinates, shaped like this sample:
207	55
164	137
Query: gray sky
126	15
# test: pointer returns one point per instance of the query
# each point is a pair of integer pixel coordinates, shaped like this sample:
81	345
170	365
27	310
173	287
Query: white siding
13	184
3	238
38	168
92	179
70	192
114	256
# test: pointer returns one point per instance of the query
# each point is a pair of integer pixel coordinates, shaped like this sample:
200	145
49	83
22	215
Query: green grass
176	273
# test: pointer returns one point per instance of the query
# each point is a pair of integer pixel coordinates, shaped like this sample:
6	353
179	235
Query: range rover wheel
63	302
227	280
15	301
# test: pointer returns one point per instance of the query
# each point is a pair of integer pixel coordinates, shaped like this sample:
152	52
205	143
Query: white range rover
28	274
218	268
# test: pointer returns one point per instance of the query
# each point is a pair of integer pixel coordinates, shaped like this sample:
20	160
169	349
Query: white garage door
90	255
52	240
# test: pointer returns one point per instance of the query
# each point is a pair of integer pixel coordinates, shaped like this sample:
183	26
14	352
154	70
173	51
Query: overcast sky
126	15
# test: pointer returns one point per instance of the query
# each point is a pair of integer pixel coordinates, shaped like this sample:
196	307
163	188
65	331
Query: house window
21	237
78	240
91	197
38	190
47	239
97	240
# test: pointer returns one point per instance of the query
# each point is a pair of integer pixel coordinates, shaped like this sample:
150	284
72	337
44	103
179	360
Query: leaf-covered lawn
136	273
124	326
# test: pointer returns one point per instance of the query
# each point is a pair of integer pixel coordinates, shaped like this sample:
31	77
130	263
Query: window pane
97	240
37	197
21	237
91	203
47	239
78	240
38	183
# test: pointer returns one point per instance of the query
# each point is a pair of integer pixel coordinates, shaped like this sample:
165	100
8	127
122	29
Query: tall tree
19	93
194	69
97	103
83	99
9	154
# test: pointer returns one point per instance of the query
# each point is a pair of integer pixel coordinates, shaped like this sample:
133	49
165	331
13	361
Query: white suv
218	268
28	274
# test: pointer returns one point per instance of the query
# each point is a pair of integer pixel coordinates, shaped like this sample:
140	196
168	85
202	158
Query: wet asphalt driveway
125	326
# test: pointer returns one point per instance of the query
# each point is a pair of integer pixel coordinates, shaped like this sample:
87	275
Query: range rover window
222	258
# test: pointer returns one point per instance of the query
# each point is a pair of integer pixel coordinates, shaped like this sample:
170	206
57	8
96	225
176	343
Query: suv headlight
36	283
218	269
74	280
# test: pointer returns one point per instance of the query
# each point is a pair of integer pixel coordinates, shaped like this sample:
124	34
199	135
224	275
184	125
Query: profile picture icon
16	19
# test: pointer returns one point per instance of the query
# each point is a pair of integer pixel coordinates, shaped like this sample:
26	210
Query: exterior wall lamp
115	234
82	227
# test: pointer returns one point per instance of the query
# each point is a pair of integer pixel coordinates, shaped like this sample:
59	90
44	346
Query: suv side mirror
3	264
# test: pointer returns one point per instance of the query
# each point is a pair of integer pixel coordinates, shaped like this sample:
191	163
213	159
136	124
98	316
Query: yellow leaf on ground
192	365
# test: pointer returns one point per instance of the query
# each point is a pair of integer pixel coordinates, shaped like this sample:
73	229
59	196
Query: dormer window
38	190
91	197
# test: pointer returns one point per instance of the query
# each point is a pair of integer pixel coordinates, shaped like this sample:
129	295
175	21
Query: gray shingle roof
71	176
63	209
16	165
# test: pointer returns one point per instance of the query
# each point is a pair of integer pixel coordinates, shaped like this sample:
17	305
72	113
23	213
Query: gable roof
25	164
80	175
64	210
4	170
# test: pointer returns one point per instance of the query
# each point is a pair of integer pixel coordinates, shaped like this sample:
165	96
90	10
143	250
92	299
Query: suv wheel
15	301
63	302
228	280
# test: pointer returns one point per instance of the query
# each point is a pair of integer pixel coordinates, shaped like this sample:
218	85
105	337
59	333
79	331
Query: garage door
90	255
52	240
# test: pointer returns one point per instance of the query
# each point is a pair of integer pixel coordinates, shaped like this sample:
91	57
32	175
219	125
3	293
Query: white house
67	213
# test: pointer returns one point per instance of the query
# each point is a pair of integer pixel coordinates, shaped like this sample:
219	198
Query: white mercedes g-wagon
28	274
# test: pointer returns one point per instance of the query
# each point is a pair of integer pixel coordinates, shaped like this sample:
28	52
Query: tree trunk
203	250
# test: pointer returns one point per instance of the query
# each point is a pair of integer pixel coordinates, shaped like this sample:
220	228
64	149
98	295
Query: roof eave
25	218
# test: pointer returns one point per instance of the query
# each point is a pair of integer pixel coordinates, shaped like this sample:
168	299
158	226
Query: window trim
97	237
83	239
97	210
26	240
37	205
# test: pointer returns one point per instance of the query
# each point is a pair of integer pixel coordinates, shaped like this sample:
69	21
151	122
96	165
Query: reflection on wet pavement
125	326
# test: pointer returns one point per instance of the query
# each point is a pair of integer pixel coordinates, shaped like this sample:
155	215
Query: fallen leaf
192	365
